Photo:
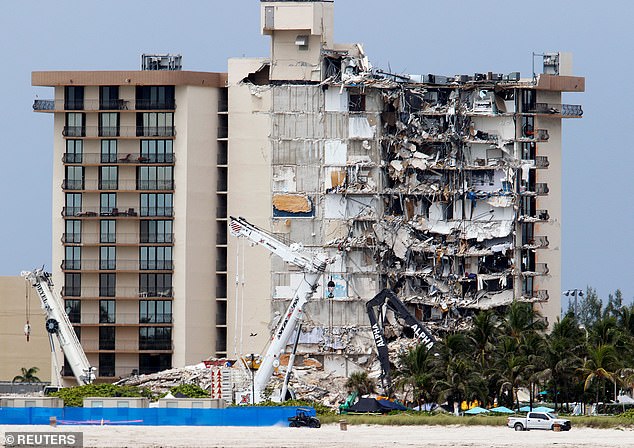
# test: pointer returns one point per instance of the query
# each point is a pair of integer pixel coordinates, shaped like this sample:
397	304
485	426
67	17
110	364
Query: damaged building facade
445	189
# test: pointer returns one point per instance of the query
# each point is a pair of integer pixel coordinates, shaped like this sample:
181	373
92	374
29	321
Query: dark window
75	124
73	204
155	285
108	151
73	309
156	204
107	257
107	231
73	97
155	124
74	178
528	100
108	204
109	98
107	312
156	231
157	151
155	338
155	257
528	233
109	124
107	285
155	311
155	178
106	338
356	103
72	260
155	97
106	364
151	363
73	231
108	177
74	151
72	285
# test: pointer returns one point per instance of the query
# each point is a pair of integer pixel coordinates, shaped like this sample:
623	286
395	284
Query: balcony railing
541	189
128	319
565	110
534	135
97	158
537	242
541	162
92	212
117	238
129	345
123	131
120	265
103	104
537	269
122	185
118	292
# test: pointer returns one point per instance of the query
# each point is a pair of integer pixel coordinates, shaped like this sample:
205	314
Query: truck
313	265
538	420
376	309
58	324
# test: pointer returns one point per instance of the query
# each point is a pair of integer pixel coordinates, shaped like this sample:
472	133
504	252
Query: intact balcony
562	110
93	158
60	105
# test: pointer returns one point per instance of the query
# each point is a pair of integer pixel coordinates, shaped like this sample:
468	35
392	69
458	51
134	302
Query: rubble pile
161	382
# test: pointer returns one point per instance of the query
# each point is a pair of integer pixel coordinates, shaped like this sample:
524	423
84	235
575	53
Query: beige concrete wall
16	352
552	202
195	147
249	196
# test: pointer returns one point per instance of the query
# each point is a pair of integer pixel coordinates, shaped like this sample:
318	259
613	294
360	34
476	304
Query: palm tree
360	383
461	382
602	363
28	376
415	373
483	334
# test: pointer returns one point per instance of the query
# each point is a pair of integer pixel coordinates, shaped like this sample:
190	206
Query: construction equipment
58	324
383	301
313	266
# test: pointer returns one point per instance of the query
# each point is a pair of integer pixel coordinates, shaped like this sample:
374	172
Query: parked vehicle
303	419
538	420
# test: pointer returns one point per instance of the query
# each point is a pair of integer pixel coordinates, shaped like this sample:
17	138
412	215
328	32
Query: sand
362	436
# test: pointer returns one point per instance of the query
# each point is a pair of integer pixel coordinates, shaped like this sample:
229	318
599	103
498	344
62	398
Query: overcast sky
403	36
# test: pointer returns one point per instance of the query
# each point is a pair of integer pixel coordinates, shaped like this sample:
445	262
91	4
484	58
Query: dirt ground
363	436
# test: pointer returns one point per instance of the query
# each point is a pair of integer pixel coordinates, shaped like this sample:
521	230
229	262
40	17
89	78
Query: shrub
74	396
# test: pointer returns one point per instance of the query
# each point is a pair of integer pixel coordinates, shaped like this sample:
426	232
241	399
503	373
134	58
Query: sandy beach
363	436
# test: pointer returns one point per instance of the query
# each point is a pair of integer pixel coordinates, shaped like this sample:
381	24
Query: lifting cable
27	310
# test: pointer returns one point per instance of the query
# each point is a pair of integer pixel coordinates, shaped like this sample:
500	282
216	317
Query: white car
538	420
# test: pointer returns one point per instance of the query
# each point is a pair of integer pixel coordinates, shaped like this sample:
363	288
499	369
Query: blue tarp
502	409
235	416
476	410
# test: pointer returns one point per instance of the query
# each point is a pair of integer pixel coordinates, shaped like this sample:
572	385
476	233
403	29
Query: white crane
312	265
58	323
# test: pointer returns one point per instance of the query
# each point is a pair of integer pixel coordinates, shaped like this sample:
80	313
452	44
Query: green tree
615	303
28	376
361	383
414	374
601	364
590	308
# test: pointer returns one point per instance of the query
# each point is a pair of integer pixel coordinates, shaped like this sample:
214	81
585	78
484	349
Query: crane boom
313	267
58	323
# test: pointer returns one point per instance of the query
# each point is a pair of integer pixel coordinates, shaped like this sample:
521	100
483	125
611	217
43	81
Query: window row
150	258
148	124
150	285
147	178
148	363
150	151
151	204
150	311
147	97
155	231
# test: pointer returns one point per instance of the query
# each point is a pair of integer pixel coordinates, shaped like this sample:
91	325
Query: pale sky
448	38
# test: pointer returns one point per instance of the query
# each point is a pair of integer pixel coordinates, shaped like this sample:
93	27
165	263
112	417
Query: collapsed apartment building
445	189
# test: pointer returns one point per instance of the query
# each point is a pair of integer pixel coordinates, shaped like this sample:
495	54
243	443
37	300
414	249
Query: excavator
376	309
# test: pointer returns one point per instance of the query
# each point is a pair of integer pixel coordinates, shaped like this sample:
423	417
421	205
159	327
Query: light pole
575	293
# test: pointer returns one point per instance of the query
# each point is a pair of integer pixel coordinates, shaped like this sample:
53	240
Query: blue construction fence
235	416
